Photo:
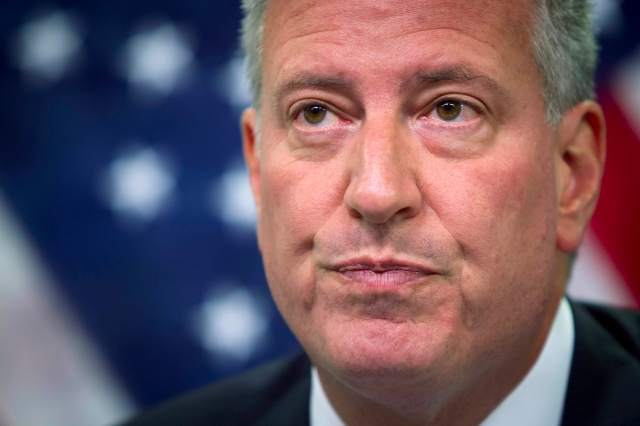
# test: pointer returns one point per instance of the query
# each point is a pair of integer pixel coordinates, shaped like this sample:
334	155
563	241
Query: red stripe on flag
616	222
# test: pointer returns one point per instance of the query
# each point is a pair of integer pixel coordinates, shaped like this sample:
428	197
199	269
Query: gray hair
563	44
565	50
251	41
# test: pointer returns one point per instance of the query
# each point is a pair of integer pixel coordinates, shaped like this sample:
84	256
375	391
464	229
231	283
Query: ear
580	155
250	149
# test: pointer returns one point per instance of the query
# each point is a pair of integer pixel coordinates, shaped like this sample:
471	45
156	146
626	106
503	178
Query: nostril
405	212
355	213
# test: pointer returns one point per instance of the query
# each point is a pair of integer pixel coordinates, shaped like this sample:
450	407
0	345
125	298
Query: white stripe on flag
49	372
626	88
595	279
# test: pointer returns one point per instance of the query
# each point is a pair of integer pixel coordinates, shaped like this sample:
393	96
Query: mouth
382	273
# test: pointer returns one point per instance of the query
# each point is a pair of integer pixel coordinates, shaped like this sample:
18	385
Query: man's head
421	181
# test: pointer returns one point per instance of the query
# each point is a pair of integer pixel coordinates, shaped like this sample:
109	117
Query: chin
380	349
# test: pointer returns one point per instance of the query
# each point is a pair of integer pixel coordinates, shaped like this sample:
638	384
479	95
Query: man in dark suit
423	173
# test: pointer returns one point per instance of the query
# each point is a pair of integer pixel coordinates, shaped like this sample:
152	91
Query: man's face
406	186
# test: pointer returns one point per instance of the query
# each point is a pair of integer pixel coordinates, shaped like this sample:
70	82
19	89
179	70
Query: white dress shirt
537	400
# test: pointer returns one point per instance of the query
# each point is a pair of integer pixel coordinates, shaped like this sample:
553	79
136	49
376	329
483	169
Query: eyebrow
422	78
325	82
452	74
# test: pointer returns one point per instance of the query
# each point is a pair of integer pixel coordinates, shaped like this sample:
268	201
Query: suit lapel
291	408
604	382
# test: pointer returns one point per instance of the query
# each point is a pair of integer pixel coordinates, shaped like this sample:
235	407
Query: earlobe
250	150
580	159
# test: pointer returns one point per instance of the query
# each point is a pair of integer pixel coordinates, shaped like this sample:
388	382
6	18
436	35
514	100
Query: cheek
501	204
501	213
297	200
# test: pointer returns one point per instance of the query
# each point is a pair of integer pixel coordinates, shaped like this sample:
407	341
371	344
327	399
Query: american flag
128	264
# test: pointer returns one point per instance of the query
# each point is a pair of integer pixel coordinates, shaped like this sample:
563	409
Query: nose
383	187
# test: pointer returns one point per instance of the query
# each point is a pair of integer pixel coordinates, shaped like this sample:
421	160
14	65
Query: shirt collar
540	394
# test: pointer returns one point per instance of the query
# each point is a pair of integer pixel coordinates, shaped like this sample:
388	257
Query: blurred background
128	264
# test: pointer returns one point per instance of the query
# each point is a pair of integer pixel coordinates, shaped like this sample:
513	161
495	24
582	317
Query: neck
412	405
412	400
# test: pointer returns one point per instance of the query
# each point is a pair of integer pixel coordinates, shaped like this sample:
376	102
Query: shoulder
278	386
621	326
604	378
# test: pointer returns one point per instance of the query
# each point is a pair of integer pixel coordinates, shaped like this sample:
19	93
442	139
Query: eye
449	110
452	111
314	115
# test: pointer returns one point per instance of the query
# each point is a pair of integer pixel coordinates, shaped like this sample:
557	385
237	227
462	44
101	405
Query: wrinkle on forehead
510	19
366	39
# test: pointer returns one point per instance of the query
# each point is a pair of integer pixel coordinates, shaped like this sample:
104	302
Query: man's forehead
316	36
505	14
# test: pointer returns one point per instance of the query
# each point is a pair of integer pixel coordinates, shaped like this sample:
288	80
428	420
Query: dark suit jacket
604	383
